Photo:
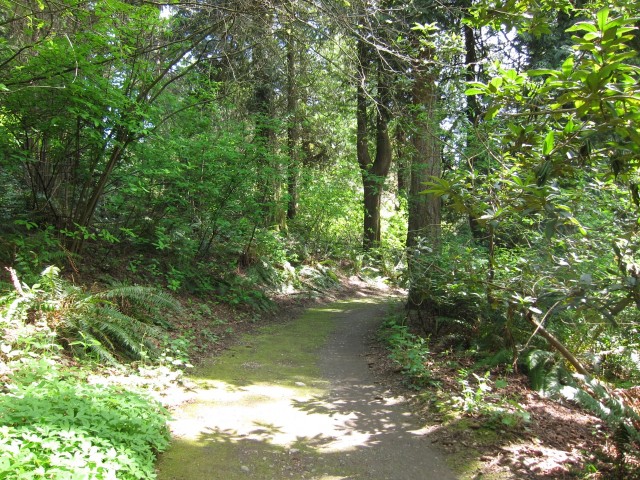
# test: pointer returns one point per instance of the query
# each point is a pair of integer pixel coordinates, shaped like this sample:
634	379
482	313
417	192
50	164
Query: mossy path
298	401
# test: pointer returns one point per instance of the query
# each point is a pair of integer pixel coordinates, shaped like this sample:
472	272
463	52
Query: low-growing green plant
242	292
55	425
111	325
177	350
210	336
409	351
479	395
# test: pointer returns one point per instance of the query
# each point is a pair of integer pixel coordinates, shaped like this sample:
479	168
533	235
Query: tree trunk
403	165
270	178
471	60
424	209
558	345
293	133
372	204
85	214
473	113
373	172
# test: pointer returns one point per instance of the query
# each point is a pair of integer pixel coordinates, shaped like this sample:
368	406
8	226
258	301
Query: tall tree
426	164
374	171
293	130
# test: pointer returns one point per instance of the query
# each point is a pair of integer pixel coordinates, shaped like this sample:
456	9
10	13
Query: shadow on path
326	421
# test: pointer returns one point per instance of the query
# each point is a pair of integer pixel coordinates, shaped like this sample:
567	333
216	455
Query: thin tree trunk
85	215
293	133
271	176
403	166
473	113
558	345
373	172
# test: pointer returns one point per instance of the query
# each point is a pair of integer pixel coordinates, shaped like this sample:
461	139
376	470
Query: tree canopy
483	154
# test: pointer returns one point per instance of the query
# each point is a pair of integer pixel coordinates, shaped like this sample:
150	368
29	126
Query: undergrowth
408	351
55	425
477	390
58	419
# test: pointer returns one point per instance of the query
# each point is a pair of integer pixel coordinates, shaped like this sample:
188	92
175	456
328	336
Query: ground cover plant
55	423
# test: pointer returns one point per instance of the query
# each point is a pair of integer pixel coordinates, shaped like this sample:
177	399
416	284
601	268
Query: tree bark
271	176
374	172
473	113
403	165
424	209
555	343
426	162
293	133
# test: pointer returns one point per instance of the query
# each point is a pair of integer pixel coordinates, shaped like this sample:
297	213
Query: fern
114	324
89	344
141	295
142	301
544	371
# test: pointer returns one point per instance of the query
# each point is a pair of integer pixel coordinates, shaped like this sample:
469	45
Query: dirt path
299	401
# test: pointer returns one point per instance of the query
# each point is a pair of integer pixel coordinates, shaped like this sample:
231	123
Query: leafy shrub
241	291
60	427
452	279
32	247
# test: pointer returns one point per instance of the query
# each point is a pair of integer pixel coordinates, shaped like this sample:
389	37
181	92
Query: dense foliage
484	155
57	427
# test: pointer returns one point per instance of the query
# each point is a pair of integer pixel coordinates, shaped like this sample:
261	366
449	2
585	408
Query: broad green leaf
540	72
582	26
474	91
495	83
570	126
567	66
603	17
492	112
547	146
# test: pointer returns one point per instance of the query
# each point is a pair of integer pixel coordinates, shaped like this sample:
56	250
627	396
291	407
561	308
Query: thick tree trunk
372	204
424	209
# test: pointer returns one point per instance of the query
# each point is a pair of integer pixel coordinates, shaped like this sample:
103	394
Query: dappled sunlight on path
325	421
269	413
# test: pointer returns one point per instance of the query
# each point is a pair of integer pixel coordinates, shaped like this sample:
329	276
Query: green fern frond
125	332
102	353
86	343
120	339
148	296
113	324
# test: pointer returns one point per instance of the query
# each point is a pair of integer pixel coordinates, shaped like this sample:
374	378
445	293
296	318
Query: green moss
280	354
279	359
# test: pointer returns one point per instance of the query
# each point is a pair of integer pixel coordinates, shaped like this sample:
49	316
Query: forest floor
280	398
